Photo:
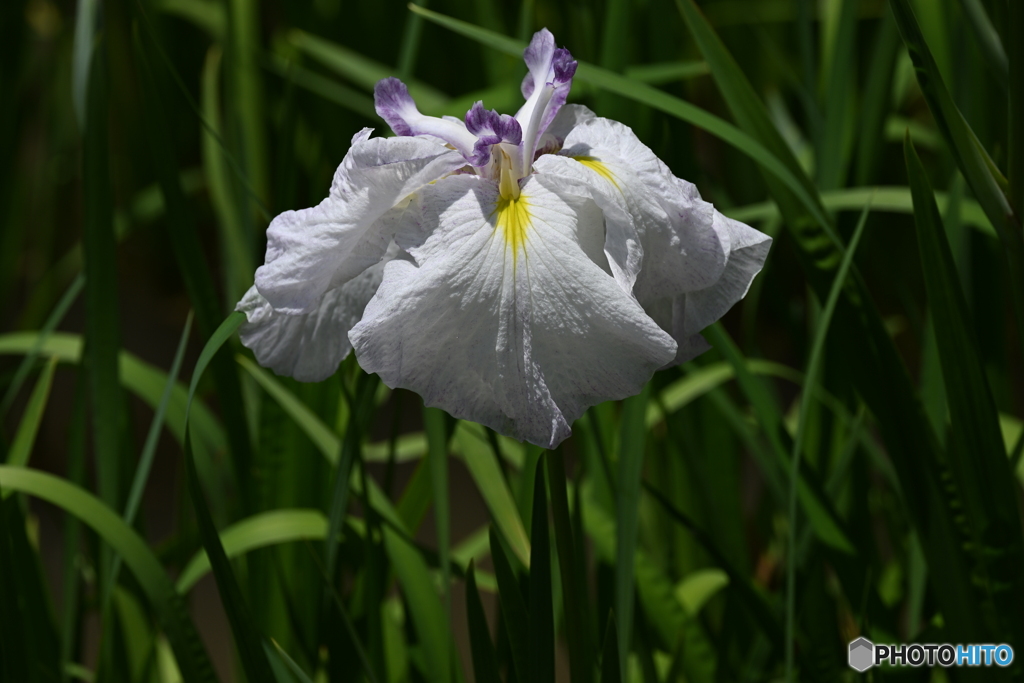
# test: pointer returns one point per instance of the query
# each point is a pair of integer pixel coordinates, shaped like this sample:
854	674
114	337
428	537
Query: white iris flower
513	271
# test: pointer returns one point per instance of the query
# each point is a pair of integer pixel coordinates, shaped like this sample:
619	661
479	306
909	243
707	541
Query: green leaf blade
513	608
541	660
976	455
171	610
485	665
28	428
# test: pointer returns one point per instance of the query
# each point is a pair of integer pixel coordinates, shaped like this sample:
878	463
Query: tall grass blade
611	667
627	514
541	659
814	367
54	319
490	482
70	579
427	612
210	17
514	613
752	117
978	169
247	640
294	674
983	177
259	531
140	378
616	39
839	85
188	251
667	72
485	664
30	650
236	246
1015	121
976	454
568	565
434	421
86	18
361	70
883	198
360	414
821	513
410	43
988	39
808	79
875	102
102	323
350	629
246	88
325	440
327	88
28	428
170	609
156	426
375	581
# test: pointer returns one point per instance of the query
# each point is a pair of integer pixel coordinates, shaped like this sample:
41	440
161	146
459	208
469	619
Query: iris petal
308	346
395	105
521	334
312	250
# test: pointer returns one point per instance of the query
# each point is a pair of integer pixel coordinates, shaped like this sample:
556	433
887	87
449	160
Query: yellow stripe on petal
599	166
513	219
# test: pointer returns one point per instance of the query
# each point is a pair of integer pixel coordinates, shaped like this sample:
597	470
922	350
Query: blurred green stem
810	381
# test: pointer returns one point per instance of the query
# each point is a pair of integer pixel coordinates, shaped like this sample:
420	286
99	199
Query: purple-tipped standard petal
537	56
395	105
563	68
545	88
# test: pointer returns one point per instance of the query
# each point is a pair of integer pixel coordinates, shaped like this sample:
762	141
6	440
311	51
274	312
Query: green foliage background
846	461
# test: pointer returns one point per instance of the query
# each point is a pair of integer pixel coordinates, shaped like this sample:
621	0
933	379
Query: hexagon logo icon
862	654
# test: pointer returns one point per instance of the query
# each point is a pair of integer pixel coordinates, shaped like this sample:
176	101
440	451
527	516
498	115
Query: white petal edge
747	251
682	251
568	117
621	243
308	346
315	249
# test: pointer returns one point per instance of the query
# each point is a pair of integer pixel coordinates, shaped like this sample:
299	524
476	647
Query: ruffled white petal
309	346
682	251
621	243
568	117
746	251
312	250
685	315
503	318
670	314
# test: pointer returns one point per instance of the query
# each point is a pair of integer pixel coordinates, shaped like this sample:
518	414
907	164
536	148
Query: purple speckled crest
491	128
505	128
545	88
395	105
564	66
